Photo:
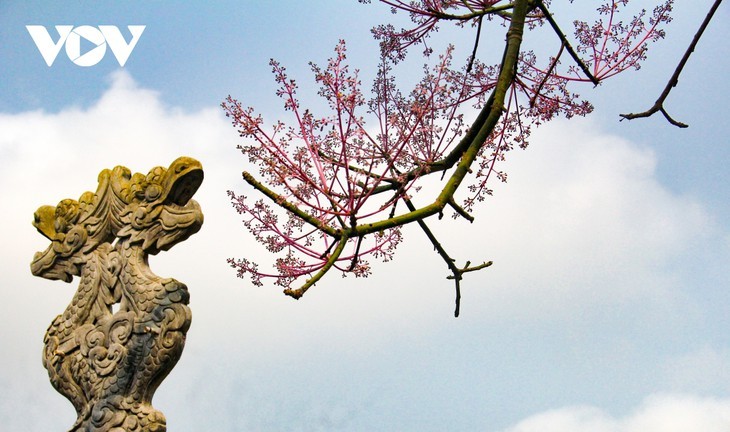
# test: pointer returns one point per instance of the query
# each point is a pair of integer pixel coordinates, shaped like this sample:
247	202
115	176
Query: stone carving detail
125	327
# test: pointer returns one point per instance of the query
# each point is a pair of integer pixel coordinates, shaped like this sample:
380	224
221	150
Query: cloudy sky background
606	309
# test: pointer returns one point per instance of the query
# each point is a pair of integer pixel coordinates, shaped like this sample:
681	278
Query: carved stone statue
125	327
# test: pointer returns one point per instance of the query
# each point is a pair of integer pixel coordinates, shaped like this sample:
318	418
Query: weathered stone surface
125	327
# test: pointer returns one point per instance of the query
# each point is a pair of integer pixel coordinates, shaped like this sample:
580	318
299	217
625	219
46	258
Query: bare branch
674	80
441	251
468	269
457	279
456	272
476	45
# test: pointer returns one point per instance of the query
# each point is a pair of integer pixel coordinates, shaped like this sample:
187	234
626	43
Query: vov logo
71	36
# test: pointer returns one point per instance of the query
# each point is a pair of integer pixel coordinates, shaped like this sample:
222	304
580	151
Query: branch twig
468	269
547	75
460	210
476	45
280	201
674	80
456	272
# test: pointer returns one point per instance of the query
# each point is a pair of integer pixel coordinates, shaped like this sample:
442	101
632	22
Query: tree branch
468	269
565	42
674	80
474	14
456	272
280	201
476	45
547	75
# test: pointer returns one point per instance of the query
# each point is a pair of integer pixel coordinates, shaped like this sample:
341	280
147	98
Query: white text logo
71	36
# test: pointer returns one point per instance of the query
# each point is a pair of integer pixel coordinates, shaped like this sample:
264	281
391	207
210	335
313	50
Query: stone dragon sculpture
125	327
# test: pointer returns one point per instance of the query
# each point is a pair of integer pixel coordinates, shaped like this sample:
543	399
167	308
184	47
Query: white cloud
657	413
703	370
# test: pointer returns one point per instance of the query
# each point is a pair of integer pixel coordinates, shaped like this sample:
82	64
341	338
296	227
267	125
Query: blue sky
606	309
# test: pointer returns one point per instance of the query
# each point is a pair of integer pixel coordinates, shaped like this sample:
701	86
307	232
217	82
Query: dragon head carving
156	210
160	211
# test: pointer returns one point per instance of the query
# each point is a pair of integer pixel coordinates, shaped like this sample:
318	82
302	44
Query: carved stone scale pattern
125	327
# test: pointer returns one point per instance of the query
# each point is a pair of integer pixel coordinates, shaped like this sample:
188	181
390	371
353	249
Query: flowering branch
339	181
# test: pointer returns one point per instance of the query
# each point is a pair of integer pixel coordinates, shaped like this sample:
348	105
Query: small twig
460	210
457	300
441	251
476	44
392	210
674	80
547	75
457	280
456	272
468	269
328	250
356	255
566	43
